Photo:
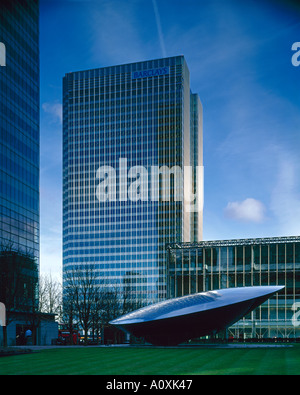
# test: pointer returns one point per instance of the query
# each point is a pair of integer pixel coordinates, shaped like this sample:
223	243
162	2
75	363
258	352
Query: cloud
285	196
116	36
54	109
249	210
159	30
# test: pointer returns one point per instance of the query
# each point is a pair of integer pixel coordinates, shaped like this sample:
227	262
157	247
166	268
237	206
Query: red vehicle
64	336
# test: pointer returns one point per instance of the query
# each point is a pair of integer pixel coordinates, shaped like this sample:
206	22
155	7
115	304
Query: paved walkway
228	346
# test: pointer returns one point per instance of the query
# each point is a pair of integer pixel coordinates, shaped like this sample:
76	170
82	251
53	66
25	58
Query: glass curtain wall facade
139	113
197	161
19	128
209	265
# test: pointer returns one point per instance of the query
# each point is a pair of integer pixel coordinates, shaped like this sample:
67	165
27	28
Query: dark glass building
211	265
19	127
124	128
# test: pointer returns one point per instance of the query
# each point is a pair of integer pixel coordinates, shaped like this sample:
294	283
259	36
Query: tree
90	304
50	295
69	315
80	296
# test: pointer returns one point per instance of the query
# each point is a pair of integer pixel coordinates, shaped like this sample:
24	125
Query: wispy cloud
159	29
248	210
285	196
54	109
116	36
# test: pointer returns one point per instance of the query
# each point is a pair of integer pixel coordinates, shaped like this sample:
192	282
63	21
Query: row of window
111	87
174	62
19	143
222	258
18	213
16	167
18	193
20	120
120	92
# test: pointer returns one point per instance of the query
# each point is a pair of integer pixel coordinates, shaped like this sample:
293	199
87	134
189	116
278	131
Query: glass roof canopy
235	242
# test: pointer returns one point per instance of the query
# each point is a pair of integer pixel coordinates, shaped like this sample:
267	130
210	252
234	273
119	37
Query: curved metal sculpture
174	321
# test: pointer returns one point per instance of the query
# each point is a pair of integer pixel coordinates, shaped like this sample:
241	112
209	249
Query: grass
155	361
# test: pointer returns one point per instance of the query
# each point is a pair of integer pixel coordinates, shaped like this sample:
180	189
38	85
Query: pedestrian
28	335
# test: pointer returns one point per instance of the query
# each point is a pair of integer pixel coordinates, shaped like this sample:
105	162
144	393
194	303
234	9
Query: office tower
128	133
19	127
197	161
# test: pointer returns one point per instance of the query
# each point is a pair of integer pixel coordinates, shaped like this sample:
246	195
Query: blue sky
239	57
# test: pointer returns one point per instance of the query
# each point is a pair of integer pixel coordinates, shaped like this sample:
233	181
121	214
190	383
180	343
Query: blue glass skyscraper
124	128
19	127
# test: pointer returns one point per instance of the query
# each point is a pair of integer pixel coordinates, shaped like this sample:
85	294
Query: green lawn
155	361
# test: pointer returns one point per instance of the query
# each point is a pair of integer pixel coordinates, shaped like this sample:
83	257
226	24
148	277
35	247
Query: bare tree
90	304
128	302
69	313
111	303
97	315
81	288
50	295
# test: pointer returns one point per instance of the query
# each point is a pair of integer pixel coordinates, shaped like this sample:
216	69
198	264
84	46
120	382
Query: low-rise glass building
211	265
